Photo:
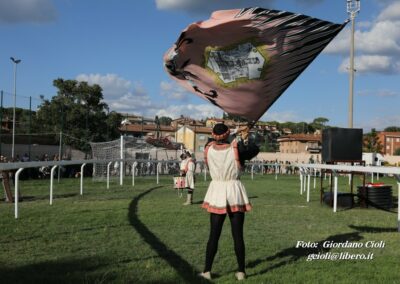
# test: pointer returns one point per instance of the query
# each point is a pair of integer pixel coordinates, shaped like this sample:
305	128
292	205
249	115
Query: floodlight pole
15	61
353	8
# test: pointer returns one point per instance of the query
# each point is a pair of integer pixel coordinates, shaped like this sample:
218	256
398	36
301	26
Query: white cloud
377	47
130	103
280	116
364	24
200	111
172	90
130	97
391	12
27	11
381	122
113	86
383	38
372	64
122	95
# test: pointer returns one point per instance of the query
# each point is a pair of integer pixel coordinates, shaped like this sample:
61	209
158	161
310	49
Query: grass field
145	235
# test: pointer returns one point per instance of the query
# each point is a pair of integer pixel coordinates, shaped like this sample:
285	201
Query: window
202	137
387	147
201	148
398	140
388	139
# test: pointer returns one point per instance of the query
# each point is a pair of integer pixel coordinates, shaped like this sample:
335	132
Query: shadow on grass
84	270
181	266
391	208
366	229
253	197
294	253
55	196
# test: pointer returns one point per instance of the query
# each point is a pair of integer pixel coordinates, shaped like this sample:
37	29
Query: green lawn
143	234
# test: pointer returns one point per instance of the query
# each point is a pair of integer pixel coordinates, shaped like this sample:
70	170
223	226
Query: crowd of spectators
40	172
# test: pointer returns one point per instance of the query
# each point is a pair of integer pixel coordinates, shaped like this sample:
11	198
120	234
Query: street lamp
16	61
85	104
353	7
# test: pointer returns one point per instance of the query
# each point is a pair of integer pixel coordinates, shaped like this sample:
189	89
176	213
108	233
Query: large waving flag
243	60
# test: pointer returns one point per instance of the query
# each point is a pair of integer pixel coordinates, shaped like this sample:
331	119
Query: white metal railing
20	166
305	169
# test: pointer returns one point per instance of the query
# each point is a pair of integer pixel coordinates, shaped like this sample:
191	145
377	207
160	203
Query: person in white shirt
226	195
189	170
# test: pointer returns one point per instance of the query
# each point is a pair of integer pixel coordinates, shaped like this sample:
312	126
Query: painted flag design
243	60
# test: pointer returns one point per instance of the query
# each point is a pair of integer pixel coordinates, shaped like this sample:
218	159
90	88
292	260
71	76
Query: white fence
306	170
20	166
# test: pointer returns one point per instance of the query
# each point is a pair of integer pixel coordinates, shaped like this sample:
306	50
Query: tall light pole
353	7
16	61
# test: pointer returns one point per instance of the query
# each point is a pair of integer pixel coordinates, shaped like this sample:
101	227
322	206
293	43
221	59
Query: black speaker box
342	144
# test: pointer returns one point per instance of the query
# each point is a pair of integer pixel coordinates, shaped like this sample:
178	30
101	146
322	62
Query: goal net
131	149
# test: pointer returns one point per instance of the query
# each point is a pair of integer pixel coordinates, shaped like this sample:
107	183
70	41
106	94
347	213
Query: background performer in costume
190	167
226	194
182	165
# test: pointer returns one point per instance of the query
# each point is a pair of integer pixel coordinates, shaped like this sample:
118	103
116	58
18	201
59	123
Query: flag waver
243	60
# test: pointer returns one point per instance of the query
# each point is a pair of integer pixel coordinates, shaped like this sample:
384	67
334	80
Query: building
390	142
286	131
194	138
141	130
300	143
210	122
179	122
193	134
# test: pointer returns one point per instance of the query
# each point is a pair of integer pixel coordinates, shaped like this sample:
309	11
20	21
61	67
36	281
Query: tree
371	142
297	127
22	117
113	122
392	129
235	118
78	111
165	120
319	123
268	142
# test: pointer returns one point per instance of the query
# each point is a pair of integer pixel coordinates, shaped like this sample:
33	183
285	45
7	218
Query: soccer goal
130	149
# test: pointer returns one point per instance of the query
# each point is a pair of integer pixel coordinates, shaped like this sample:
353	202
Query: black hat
220	132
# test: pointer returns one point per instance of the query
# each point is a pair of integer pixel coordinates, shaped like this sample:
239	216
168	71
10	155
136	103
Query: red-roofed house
300	143
390	142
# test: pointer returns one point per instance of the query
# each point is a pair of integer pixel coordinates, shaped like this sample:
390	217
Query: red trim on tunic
219	147
236	152
227	209
224	146
206	151
222	136
187	165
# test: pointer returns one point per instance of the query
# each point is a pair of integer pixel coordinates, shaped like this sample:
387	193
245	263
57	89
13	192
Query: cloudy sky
120	44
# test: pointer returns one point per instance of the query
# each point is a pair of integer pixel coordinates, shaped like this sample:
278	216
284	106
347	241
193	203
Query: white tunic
183	165
226	192
189	178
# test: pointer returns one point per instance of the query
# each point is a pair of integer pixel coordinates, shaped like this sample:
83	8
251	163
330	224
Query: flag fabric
242	60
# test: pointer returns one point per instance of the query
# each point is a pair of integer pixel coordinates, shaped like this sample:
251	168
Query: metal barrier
336	169
20	166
